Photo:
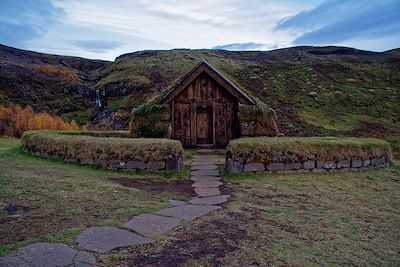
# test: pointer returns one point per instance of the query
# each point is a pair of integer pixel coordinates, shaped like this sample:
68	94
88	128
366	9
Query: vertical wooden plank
178	122
193	123
187	124
190	91
229	121
214	107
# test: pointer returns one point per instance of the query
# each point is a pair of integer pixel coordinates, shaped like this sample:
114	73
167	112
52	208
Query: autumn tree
14	120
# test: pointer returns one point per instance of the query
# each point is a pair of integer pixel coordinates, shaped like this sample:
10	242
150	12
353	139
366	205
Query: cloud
181	23
337	21
21	21
245	46
97	46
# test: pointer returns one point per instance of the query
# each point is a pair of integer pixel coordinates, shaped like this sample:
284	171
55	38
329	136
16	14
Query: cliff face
314	90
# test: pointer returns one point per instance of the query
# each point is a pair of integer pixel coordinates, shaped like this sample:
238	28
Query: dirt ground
44	200
350	219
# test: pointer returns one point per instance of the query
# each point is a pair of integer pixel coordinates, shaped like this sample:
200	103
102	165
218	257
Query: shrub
286	149
150	120
150	130
83	147
14	121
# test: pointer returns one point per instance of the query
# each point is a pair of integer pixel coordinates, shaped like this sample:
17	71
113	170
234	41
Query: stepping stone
214	200
205	178
177	202
204	156
204	173
48	254
204	150
187	212
204	163
84	259
104	239
207	192
207	184
211	167
152	225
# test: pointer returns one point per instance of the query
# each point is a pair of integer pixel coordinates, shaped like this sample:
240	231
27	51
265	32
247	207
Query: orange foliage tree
14	120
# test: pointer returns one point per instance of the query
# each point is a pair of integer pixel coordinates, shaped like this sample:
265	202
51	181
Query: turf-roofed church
204	108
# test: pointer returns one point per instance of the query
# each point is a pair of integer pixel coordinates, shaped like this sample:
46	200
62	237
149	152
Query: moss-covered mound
150	120
121	134
140	153
257	120
285	149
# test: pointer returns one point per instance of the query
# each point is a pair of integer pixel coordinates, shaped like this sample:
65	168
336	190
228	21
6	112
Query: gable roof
206	67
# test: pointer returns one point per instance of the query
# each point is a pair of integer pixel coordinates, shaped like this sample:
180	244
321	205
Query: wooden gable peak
206	67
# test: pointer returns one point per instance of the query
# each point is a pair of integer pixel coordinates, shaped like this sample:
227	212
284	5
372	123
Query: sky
105	29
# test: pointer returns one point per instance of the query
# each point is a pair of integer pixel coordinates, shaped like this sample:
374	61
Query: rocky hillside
57	84
315	90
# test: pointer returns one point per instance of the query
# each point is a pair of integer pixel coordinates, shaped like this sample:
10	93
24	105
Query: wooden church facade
204	108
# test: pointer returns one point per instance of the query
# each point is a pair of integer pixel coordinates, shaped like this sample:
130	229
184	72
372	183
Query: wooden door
204	124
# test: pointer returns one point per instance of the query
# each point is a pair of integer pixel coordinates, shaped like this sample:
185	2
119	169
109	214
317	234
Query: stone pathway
48	254
139	230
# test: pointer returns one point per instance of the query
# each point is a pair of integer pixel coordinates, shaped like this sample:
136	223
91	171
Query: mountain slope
57	84
315	90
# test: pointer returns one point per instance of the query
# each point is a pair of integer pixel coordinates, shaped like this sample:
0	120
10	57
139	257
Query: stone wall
171	165
114	153
301	154
240	165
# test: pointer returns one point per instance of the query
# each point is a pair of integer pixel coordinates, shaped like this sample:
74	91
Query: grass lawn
338	219
45	200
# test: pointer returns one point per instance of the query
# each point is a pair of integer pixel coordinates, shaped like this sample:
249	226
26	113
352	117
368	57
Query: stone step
187	212
207	184
205	173
205	178
207	192
204	163
152	225
48	254
106	238
209	167
213	200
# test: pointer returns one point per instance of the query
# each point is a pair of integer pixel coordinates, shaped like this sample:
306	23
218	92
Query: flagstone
205	178
152	225
210	167
187	212
207	192
48	254
213	200
106	238
205	173
206	184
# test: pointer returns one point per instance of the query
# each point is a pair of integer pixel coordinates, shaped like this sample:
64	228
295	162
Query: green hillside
315	90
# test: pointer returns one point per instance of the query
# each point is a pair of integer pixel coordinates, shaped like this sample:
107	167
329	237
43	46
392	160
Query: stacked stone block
318	166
